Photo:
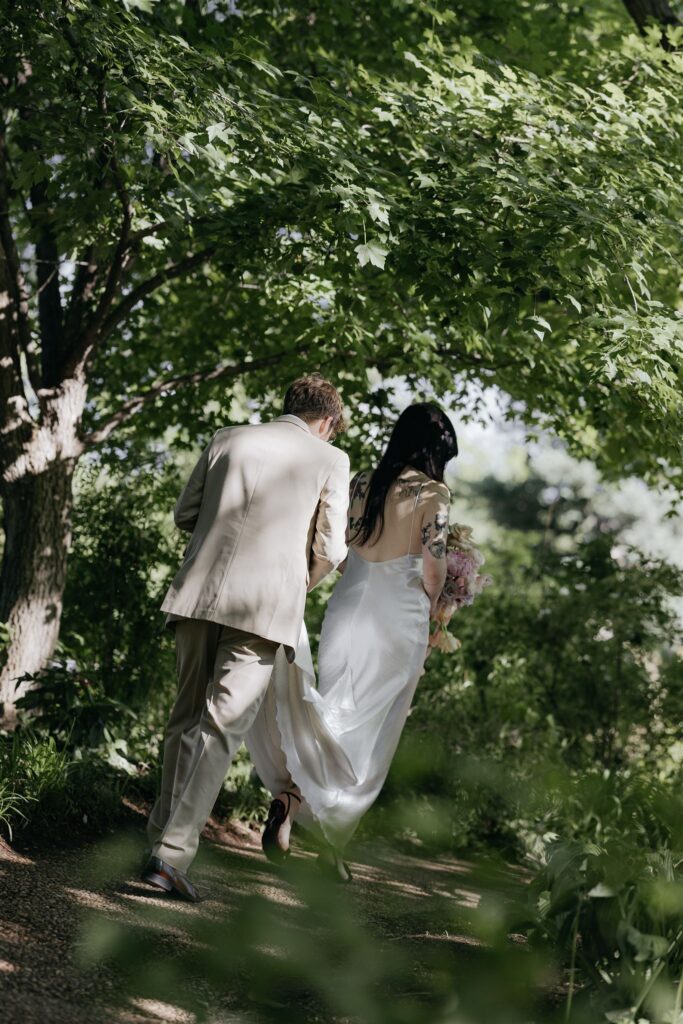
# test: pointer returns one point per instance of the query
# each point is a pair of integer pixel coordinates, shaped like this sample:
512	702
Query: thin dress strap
412	518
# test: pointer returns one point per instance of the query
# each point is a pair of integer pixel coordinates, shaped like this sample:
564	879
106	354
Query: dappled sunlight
457	938
465	897
165	1013
94	900
466	216
118	918
8	855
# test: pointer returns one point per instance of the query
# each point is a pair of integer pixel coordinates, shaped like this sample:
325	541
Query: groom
266	506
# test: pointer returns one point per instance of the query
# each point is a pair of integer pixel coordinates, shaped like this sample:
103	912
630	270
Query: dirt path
82	940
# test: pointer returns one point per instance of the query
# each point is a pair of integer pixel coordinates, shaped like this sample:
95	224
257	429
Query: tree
645	11
97	123
181	204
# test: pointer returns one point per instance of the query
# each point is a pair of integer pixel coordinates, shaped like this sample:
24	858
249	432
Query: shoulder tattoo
405	489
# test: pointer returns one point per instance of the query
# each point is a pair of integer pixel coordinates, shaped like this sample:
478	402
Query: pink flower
463	583
461	563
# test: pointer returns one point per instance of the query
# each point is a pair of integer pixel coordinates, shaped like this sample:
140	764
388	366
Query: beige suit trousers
223	674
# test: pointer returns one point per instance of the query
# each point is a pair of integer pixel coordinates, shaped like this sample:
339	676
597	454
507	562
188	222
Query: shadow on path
82	940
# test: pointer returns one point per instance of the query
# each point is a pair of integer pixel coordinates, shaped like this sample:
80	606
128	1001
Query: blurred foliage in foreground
593	935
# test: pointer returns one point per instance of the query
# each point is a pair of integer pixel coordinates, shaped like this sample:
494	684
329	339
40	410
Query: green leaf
217	131
372	252
140	5
602	891
379	213
412	59
269	69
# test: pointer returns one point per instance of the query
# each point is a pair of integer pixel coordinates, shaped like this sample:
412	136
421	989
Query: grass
46	790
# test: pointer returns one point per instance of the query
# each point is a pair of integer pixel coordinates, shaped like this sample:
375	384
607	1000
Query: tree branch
15	419
84	283
17	307
169	273
81	294
116	265
50	314
134	405
479	364
95	335
153	229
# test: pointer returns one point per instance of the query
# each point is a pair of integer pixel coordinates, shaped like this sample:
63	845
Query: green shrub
610	911
12	806
125	548
70	705
242	795
47	791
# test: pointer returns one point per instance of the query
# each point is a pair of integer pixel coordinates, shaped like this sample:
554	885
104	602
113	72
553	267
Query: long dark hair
423	437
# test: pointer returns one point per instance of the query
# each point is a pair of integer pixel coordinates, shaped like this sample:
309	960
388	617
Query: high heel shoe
277	815
333	867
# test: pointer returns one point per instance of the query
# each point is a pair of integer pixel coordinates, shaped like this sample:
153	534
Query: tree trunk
36	491
37	513
644	11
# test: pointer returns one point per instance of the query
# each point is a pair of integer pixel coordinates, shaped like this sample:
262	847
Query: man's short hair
314	398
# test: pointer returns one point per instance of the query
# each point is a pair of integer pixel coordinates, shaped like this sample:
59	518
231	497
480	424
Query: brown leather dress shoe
164	876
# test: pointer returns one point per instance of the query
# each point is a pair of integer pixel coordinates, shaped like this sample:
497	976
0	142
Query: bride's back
413	513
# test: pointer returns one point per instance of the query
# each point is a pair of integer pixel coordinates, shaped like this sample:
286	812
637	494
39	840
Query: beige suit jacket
266	505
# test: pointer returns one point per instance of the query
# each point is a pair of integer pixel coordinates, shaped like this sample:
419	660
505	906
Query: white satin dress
336	742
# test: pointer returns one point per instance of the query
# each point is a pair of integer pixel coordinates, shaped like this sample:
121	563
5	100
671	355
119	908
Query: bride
326	751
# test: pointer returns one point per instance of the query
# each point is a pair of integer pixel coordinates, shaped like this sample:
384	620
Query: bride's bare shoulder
438	488
413	480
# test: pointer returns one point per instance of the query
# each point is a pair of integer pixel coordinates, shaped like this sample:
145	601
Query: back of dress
337	741
376	628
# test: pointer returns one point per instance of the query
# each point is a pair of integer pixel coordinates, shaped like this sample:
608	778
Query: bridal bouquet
463	583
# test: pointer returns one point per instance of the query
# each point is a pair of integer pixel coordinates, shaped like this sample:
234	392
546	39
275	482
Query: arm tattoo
359	486
434	535
438	548
358	489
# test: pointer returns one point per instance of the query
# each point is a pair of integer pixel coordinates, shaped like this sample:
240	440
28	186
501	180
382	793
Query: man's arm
187	506
328	548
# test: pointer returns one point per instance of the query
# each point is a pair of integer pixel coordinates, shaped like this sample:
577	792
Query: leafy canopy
443	192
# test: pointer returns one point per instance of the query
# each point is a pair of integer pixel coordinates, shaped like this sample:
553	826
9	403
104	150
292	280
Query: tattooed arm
358	488
434	534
